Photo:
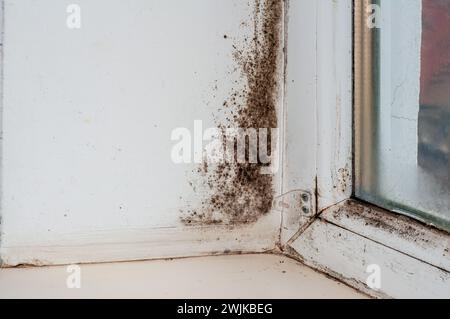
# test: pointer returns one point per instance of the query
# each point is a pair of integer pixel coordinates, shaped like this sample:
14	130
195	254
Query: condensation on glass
402	107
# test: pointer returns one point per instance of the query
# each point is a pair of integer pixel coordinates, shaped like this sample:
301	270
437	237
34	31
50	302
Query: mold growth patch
238	193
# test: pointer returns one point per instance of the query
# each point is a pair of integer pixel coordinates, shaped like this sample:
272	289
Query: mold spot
238	193
343	180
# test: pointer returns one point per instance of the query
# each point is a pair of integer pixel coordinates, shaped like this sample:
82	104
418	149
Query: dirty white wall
87	119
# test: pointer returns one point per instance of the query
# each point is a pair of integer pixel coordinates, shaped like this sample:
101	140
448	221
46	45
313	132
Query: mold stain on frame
238	193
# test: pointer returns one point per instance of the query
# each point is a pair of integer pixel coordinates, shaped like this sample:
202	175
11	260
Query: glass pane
402	107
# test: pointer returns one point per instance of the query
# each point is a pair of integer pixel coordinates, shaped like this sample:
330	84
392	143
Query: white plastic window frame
347	238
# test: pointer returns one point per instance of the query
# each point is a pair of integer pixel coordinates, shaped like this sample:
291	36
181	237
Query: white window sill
245	276
345	239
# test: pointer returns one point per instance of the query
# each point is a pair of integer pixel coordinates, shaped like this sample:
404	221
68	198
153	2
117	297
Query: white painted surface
319	99
252	276
334	102
394	231
346	255
300	99
146	243
318	102
87	149
299	160
87	120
